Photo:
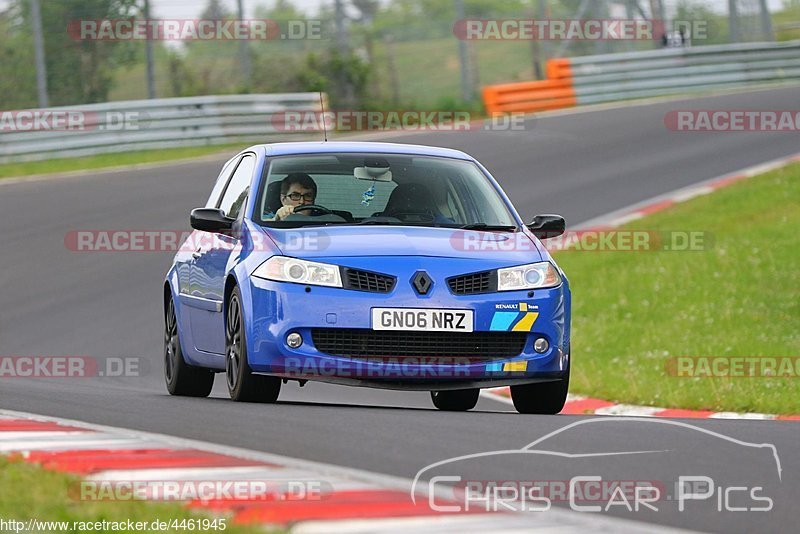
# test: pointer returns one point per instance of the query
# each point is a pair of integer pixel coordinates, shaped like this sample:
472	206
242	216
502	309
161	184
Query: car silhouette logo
422	282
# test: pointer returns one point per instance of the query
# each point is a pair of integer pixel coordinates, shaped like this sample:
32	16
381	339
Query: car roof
325	147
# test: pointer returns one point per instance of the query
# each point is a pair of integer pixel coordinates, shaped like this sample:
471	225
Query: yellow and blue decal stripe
514	321
521	320
499	367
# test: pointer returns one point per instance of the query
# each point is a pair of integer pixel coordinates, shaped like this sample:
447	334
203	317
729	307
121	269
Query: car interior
414	194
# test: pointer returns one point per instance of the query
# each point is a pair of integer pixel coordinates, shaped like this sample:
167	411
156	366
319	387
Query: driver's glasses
308	197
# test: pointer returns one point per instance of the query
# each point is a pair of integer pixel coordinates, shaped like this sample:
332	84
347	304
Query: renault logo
422	282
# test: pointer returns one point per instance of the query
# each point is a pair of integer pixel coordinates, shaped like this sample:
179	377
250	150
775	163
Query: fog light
541	345
294	340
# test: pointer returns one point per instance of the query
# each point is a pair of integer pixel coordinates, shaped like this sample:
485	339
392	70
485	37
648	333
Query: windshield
386	189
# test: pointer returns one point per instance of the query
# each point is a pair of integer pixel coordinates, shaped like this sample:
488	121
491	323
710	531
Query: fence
146	124
607	78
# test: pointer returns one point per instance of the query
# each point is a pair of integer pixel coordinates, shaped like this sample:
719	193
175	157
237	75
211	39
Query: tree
215	11
329	72
716	30
78	71
18	82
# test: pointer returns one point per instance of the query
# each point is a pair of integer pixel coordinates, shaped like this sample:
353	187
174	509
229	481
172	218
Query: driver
297	189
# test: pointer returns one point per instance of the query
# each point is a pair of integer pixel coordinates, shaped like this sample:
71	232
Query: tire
243	384
458	400
546	398
182	379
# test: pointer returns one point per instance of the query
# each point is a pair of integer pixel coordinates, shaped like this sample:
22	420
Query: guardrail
611	77
87	130
555	92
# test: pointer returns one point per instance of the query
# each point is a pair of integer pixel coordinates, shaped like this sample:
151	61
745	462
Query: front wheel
546	398
182	379
458	400
243	384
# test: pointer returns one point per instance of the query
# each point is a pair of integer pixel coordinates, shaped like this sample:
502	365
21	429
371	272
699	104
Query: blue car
367	264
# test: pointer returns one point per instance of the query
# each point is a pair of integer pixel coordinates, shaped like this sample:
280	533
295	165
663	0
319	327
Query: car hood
355	241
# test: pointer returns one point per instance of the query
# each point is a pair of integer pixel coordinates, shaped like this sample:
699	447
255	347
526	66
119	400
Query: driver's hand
284	212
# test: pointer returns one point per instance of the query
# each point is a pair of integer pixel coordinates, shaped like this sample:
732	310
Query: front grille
362	343
471	284
367	281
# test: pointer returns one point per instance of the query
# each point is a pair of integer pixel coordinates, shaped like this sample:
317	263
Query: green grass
29	492
633	311
782	20
112	160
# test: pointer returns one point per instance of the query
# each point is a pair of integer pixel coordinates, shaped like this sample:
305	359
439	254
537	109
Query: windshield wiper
349	223
378	222
489	227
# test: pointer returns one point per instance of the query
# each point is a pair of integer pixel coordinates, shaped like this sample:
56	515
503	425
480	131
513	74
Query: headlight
533	276
285	269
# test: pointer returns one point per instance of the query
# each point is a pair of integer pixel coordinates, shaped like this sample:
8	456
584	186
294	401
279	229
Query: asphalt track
58	302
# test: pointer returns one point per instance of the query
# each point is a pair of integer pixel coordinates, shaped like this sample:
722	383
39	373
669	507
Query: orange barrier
555	92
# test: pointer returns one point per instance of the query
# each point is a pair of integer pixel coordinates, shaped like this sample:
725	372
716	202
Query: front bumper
278	309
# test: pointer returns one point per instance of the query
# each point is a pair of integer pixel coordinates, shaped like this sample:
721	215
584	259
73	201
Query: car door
190	249
211	260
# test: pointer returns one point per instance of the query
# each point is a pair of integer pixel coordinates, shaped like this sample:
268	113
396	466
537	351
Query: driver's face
304	196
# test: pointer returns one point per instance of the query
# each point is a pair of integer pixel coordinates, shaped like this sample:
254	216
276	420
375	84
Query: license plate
424	319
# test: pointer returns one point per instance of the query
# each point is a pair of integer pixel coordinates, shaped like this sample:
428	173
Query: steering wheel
315	209
421	216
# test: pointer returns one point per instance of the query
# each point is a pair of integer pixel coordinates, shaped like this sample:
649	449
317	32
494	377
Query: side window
222	179
238	187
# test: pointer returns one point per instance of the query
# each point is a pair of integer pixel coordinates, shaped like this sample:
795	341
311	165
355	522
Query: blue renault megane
367	264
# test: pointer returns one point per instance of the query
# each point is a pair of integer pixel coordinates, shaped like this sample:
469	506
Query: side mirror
547	226
210	220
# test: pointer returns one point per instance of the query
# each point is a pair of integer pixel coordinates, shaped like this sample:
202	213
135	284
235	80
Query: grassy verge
634	311
784	22
29	492
8	170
